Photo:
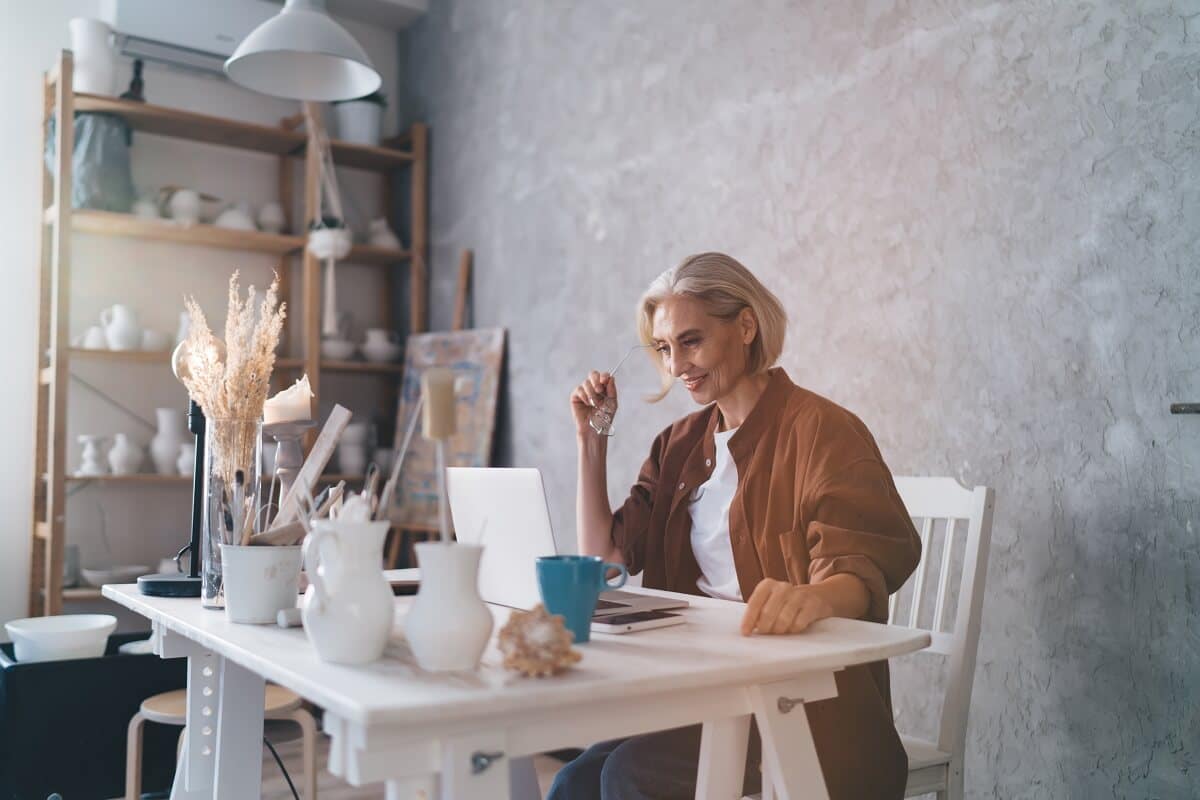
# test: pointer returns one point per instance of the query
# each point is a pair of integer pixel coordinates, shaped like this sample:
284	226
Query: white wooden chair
937	767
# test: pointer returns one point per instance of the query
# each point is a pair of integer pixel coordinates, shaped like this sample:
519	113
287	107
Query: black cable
282	768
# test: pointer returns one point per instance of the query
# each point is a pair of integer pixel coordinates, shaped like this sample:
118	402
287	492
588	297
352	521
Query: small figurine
536	643
136	86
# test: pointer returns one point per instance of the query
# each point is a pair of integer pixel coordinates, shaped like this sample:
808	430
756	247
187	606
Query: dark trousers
655	766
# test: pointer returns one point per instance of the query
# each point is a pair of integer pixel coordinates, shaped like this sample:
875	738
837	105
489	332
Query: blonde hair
724	287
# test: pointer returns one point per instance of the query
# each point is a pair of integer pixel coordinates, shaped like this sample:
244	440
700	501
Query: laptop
505	510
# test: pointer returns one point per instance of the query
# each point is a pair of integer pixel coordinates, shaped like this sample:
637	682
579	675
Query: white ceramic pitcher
121	328
348	606
95	59
449	625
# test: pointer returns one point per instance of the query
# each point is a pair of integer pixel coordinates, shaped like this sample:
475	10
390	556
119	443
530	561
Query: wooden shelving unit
409	151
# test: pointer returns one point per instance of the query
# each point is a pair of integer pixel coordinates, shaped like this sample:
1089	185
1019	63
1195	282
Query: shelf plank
376	159
363	367
180	124
380	256
107	223
138	479
128	356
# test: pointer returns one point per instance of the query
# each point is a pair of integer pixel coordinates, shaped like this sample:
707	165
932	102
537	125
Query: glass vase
232	458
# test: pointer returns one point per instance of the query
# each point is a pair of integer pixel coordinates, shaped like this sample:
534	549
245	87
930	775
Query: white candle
293	404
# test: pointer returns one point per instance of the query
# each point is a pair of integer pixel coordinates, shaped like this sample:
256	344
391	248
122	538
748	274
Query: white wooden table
454	736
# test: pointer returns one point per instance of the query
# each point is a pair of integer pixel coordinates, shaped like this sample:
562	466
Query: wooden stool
170	708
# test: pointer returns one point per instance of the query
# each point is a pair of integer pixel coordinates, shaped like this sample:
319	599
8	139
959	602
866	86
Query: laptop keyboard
605	605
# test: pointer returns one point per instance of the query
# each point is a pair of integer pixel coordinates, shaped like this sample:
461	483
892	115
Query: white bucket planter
359	121
259	581
95	68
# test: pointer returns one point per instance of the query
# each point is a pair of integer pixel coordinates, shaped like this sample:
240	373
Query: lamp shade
302	54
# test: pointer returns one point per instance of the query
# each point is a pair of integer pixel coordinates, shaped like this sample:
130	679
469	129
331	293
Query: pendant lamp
302	54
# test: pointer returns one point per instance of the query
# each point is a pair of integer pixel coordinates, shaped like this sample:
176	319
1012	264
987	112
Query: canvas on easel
475	357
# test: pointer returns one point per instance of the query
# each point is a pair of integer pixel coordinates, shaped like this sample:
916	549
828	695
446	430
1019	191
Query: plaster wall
982	217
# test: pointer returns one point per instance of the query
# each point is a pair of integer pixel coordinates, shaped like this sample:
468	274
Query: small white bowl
60	637
337	349
125	573
381	352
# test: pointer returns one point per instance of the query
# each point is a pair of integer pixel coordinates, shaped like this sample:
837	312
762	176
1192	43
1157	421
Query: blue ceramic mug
571	585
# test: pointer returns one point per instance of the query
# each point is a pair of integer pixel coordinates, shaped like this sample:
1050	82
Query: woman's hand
779	607
597	388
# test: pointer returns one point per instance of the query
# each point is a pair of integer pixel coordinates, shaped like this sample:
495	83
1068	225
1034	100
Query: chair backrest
931	501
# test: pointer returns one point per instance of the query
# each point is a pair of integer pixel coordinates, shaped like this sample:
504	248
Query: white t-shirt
709	508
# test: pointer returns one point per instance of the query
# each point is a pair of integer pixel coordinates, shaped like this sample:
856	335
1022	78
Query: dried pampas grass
229	380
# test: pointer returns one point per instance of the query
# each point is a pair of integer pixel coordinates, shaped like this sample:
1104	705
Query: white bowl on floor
60	637
122	573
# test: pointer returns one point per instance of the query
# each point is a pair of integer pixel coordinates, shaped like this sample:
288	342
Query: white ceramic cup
259	581
352	458
355	433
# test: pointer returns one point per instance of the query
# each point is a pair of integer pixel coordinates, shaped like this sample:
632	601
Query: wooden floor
274	787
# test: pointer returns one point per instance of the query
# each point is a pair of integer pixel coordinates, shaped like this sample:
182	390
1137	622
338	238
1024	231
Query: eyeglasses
601	420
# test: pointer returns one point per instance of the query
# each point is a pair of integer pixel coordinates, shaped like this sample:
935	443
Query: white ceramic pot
380	234
164	447
184	206
359	121
60	637
348	605
380	352
186	462
259	581
235	218
95	67
94	338
125	458
448	626
121	328
271	218
90	464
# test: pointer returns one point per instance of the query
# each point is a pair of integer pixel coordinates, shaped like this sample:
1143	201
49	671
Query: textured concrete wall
982	217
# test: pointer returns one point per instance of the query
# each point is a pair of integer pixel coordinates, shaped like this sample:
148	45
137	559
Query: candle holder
289	453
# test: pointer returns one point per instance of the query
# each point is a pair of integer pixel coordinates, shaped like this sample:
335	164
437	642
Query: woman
771	495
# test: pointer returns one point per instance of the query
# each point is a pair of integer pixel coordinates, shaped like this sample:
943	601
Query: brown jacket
814	499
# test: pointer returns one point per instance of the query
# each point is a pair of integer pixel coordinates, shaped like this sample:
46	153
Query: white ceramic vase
349	604
125	458
164	447
95	68
449	625
186	462
121	328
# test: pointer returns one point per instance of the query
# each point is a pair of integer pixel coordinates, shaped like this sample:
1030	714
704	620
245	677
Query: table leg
722	765
783	726
239	732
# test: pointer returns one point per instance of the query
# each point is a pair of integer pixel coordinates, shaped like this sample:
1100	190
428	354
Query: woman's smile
693	382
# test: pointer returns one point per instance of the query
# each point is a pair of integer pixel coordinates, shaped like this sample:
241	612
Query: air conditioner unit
185	33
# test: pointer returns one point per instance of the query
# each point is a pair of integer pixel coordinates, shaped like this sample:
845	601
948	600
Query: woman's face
707	354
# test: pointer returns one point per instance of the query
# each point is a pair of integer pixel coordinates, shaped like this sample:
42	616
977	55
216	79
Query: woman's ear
748	323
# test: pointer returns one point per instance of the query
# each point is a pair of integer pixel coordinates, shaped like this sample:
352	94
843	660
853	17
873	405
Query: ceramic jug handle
312	560
106	316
